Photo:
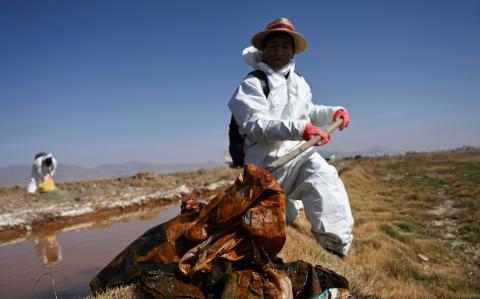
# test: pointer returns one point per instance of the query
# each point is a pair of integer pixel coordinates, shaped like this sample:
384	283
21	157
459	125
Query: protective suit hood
254	58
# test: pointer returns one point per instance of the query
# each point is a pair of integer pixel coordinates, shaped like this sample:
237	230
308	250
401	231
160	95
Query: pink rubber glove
343	113
310	132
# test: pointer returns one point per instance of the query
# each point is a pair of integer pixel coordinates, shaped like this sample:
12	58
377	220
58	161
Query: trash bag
308	280
160	284
244	284
247	221
226	249
47	186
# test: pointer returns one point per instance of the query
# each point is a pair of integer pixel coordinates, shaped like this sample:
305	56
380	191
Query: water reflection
47	245
48	249
74	254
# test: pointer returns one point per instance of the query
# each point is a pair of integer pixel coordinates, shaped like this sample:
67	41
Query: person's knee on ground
292	210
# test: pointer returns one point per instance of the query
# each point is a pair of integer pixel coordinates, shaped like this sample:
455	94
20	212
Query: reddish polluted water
72	255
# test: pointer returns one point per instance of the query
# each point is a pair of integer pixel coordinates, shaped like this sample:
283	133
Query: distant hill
373	151
379	150
19	174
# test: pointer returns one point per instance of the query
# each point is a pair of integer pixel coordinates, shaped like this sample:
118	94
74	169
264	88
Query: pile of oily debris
226	249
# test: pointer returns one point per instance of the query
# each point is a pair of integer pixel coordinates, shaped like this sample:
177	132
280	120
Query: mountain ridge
19	174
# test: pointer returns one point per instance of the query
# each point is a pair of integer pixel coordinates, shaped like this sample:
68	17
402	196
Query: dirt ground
21	212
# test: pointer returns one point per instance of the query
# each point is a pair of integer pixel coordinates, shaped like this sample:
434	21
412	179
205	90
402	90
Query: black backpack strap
260	75
236	140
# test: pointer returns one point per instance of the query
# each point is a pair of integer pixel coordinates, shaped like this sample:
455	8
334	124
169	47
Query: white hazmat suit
41	171
272	127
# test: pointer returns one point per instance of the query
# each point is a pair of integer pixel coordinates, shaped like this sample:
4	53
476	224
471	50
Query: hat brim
300	42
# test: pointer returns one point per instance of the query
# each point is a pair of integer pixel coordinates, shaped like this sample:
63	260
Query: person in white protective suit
287	117
44	167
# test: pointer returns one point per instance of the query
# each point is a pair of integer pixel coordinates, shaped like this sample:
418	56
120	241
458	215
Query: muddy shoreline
81	203
57	224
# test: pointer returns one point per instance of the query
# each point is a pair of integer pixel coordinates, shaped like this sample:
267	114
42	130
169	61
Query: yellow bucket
46	186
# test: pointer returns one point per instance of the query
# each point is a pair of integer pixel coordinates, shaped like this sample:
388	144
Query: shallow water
72	255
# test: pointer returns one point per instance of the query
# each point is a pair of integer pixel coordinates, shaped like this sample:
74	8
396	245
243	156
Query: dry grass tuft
124	292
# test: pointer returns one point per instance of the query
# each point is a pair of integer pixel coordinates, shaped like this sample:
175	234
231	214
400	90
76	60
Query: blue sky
113	81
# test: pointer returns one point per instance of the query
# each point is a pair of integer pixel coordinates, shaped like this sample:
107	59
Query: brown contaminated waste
226	249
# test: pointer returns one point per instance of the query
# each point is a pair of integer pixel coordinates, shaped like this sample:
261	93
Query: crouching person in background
43	169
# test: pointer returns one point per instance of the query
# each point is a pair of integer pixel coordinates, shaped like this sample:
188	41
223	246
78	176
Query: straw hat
280	25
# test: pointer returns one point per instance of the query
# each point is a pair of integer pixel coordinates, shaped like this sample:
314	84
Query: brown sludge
224	249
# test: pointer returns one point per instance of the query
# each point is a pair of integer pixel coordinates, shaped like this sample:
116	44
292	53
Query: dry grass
392	201
403	206
125	292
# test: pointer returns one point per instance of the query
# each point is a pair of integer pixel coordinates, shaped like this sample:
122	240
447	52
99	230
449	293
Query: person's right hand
343	113
311	131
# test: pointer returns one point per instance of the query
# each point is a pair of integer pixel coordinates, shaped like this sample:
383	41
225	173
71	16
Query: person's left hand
311	131
343	113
